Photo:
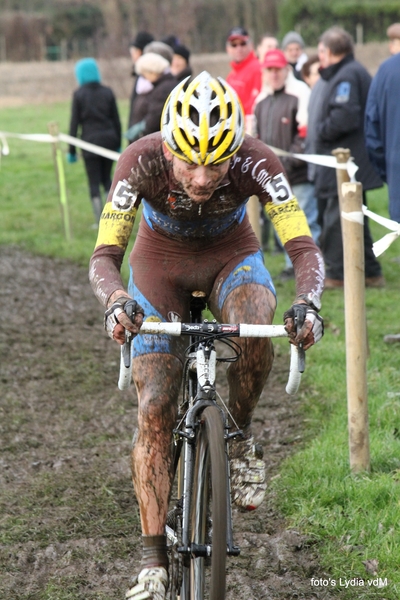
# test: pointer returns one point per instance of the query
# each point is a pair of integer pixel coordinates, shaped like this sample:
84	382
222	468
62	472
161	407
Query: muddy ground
68	516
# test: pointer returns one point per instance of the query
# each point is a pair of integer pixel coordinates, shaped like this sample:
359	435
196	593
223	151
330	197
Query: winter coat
94	110
148	106
281	121
382	128
342	124
245	78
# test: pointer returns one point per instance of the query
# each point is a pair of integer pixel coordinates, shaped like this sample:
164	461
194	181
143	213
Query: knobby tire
209	500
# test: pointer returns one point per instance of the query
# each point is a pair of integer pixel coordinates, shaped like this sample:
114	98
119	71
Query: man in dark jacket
281	122
341	125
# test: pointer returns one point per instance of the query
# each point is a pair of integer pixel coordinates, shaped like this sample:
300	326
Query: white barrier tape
355	216
61	137
321	160
33	137
317	159
87	146
5	150
383	244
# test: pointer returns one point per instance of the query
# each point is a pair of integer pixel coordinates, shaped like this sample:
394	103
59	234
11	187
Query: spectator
267	42
382	133
144	84
341	125
382	128
154	69
245	76
95	114
310	71
171	40
281	122
180	66
160	48
393	33
136	48
316	84
293	48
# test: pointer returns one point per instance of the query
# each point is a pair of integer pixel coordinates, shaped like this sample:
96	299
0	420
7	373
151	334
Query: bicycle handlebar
209	329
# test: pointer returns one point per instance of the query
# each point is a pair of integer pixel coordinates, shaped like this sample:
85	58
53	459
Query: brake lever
126	347
299	318
125	372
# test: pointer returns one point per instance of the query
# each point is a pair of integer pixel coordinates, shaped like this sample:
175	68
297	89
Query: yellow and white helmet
203	120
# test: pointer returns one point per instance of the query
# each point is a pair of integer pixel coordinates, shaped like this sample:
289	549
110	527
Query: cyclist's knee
157	411
250	303
157	378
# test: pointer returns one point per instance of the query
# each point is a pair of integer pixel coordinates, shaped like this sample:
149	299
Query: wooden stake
60	175
356	329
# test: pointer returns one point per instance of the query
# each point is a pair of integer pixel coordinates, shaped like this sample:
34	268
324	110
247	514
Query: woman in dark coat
95	115
154	86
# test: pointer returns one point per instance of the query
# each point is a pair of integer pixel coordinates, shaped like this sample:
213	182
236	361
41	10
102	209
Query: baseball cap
274	59
238	33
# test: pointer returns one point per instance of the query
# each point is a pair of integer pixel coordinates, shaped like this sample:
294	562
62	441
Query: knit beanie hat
292	38
141	40
182	51
87	71
151	62
160	48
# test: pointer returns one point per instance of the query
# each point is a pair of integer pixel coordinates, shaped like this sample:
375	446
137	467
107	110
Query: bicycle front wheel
209	509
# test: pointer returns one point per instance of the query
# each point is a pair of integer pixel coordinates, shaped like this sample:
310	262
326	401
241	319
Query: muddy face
199	181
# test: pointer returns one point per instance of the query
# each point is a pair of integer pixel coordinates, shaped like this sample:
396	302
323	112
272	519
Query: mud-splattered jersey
144	176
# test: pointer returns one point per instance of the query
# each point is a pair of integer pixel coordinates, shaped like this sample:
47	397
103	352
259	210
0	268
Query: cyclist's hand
116	321
304	325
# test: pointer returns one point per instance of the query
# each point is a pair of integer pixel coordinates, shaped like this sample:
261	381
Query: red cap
274	59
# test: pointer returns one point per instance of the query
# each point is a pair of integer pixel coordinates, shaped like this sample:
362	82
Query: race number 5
279	188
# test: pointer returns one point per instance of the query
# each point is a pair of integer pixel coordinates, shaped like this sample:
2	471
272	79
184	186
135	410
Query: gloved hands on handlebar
304	325
116	320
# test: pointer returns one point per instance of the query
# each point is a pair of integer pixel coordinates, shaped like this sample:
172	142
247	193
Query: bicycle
199	526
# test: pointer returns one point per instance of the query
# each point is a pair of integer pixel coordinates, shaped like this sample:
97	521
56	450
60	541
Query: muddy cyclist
193	180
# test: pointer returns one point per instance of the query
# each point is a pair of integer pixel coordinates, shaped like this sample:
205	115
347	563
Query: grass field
355	518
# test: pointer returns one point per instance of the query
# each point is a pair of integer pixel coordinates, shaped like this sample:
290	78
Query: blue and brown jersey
144	177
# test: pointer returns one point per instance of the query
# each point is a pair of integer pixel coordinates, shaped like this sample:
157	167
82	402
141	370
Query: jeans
305	195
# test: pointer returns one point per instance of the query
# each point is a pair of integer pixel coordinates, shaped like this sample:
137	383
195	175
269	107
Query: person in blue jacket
382	128
95	116
382	131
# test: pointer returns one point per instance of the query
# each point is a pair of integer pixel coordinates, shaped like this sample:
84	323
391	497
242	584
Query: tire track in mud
69	519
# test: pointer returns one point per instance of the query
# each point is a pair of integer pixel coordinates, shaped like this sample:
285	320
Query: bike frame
202	393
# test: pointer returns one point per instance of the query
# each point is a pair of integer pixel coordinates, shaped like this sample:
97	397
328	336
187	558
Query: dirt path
68	519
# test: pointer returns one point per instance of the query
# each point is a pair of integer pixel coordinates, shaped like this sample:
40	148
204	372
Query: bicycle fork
205	396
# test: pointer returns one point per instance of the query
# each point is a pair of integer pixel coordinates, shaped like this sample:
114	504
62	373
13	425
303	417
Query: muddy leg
157	378
250	303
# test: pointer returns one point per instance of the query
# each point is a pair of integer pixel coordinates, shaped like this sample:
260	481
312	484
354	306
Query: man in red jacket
245	77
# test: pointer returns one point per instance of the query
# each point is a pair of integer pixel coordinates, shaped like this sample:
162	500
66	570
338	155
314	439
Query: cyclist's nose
201	176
